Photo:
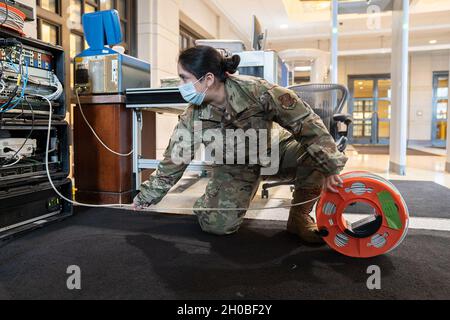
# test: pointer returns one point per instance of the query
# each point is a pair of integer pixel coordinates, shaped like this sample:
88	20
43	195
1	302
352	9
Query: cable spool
12	18
380	232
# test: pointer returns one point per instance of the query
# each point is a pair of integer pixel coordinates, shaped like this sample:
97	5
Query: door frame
435	142
374	139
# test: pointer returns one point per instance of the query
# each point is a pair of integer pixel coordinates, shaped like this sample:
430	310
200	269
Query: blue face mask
191	95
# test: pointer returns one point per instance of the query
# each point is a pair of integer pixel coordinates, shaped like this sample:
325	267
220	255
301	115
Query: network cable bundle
25	73
33	134
14	14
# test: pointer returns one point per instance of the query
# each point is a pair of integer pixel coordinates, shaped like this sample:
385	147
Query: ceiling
295	24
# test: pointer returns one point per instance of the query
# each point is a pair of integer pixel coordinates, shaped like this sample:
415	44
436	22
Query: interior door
383	109
362	109
440	109
370	106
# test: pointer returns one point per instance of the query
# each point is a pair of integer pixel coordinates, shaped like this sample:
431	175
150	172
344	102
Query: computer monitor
259	35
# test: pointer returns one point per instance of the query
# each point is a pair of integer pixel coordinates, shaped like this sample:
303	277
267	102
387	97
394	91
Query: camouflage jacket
252	103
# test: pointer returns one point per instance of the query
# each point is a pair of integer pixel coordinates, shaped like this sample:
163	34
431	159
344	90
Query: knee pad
218	226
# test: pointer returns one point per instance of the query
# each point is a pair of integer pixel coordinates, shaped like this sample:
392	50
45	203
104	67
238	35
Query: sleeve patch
287	101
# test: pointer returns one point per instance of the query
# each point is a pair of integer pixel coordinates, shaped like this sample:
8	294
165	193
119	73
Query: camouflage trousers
234	186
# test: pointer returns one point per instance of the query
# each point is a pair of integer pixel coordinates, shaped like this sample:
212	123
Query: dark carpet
126	255
385	150
423	198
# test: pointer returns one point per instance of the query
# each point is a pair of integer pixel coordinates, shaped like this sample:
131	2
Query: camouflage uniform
252	103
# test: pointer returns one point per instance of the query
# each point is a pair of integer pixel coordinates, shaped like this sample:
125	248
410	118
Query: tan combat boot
300	222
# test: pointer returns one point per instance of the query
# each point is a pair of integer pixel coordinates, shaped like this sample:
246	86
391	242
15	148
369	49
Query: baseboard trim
422	143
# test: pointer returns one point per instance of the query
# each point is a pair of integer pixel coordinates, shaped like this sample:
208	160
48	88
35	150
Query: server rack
27	199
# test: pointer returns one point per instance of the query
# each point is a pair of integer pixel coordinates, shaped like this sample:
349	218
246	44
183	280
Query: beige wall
200	17
158	43
421	91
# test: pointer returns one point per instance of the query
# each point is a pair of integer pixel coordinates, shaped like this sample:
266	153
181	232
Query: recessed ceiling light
303	69
323	5
433	41
360	83
361	88
284	26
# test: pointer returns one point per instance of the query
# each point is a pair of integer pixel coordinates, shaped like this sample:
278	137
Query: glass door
383	109
440	109
370	106
363	103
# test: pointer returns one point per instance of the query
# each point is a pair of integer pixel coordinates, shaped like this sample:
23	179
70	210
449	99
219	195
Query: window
49	32
75	14
89	8
76	45
187	38
440	109
106	4
50	5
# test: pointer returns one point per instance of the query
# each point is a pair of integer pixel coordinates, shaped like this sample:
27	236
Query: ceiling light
284	26
303	69
323	5
433	41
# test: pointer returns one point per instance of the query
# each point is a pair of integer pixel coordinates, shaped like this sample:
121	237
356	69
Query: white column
334	41
319	70
399	75
447	166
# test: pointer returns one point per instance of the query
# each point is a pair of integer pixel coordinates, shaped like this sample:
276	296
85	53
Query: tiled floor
419	168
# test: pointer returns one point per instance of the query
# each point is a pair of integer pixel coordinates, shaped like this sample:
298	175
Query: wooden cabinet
102	177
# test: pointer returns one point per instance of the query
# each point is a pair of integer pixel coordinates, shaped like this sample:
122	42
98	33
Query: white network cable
59	89
12	164
55	83
130	207
95	133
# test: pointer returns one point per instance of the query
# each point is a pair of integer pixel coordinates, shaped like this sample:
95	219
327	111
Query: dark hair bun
231	64
201	60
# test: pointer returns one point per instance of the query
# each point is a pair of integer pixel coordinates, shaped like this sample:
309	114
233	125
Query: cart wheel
292	189
265	194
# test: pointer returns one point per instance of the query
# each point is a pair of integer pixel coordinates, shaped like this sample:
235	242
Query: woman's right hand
139	204
135	207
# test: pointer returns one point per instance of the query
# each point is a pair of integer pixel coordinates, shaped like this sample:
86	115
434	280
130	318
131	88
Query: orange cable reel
378	233
19	15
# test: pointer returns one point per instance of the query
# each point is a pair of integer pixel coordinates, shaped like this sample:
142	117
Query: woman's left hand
333	182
